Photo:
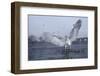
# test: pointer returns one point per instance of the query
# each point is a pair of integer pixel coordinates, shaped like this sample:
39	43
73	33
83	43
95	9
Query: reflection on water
48	51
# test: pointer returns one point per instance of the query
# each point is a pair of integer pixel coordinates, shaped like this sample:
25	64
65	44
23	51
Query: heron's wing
75	30
57	41
72	34
47	37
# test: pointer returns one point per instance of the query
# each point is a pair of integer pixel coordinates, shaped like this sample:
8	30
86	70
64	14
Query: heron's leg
70	47
65	47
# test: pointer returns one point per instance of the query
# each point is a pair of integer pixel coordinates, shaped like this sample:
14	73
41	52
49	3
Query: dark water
47	51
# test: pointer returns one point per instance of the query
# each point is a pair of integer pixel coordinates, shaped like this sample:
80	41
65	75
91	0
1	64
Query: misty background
58	25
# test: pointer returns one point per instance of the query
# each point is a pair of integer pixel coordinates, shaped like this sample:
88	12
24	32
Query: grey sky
60	25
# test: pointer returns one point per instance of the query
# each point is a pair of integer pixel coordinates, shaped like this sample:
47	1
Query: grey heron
67	40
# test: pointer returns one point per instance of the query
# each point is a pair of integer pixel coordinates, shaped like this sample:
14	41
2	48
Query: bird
64	41
73	34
